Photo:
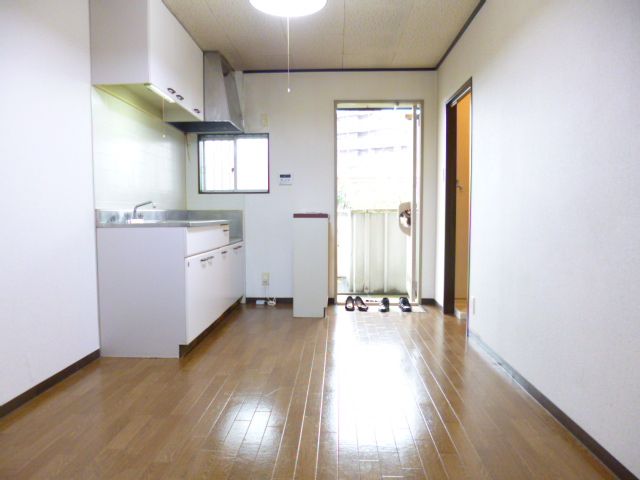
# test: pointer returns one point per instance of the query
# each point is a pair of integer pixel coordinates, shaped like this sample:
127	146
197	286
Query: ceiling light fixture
289	8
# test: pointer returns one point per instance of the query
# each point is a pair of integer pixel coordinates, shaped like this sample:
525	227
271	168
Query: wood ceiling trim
461	32
409	69
313	70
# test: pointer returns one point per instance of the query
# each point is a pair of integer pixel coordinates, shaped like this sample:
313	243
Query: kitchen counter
162	223
157	218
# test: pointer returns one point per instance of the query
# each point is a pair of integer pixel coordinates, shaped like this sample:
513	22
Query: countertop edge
168	224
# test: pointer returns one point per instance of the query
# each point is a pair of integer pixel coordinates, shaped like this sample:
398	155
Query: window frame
231	136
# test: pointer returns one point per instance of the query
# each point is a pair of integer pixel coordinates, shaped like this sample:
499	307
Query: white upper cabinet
140	44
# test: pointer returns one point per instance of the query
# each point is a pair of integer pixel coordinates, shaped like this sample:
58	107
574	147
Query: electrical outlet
265	279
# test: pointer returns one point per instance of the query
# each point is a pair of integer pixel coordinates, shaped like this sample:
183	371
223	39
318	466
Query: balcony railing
372	252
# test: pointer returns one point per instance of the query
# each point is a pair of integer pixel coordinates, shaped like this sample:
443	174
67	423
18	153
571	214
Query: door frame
334	231
451	158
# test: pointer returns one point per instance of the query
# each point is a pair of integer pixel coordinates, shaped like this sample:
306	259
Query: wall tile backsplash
137	156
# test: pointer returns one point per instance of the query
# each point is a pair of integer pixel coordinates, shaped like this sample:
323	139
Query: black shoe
348	305
384	305
404	304
361	305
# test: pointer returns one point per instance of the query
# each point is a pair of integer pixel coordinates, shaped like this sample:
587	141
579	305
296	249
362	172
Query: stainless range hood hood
222	113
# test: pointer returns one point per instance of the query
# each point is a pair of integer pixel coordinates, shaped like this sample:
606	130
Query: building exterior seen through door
377	189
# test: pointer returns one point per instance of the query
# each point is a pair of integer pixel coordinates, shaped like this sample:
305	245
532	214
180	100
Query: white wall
137	156
301	124
555	257
48	305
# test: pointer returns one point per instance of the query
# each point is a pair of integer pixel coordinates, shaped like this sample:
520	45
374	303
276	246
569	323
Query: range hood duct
222	113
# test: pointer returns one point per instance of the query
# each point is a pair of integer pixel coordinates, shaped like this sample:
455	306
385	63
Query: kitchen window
234	163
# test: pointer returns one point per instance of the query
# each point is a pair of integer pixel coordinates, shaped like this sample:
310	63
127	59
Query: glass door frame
416	220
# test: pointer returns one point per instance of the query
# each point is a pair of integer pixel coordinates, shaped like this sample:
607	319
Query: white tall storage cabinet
310	264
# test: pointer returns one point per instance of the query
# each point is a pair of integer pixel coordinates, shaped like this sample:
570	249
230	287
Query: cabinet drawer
202	239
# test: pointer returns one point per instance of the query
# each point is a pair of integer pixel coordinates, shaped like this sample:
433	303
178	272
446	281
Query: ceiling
349	34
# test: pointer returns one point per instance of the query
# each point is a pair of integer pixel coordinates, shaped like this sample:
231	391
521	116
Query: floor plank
357	395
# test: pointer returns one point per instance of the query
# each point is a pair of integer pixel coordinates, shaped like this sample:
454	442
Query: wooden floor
357	395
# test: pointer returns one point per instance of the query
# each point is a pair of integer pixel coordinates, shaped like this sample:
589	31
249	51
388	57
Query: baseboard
429	302
286	300
47	384
587	440
185	349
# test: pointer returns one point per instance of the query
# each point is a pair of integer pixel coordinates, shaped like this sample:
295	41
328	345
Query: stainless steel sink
170	218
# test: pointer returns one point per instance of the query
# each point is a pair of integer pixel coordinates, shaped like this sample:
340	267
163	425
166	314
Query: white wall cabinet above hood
139	46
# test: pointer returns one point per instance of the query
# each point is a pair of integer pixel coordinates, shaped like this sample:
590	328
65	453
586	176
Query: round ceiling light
289	8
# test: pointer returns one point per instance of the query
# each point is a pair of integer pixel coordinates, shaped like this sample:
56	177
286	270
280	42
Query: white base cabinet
214	281
156	293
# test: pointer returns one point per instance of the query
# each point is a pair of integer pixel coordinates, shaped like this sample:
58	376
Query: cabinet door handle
179	97
224	253
238	247
197	110
171	90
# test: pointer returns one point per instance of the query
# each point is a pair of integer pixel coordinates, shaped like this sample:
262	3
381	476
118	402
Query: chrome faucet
135	209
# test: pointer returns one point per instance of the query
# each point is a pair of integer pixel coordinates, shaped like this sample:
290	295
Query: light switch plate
286	179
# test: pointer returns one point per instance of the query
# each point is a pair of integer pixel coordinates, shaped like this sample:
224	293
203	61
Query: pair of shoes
351	304
384	305
403	303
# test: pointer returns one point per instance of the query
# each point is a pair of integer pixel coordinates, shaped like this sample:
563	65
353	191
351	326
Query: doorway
458	203
378	196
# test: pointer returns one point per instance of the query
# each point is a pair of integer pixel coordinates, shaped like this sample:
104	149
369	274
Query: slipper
348	305
404	304
361	305
384	305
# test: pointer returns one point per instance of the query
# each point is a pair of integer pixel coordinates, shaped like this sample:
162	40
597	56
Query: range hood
222	113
